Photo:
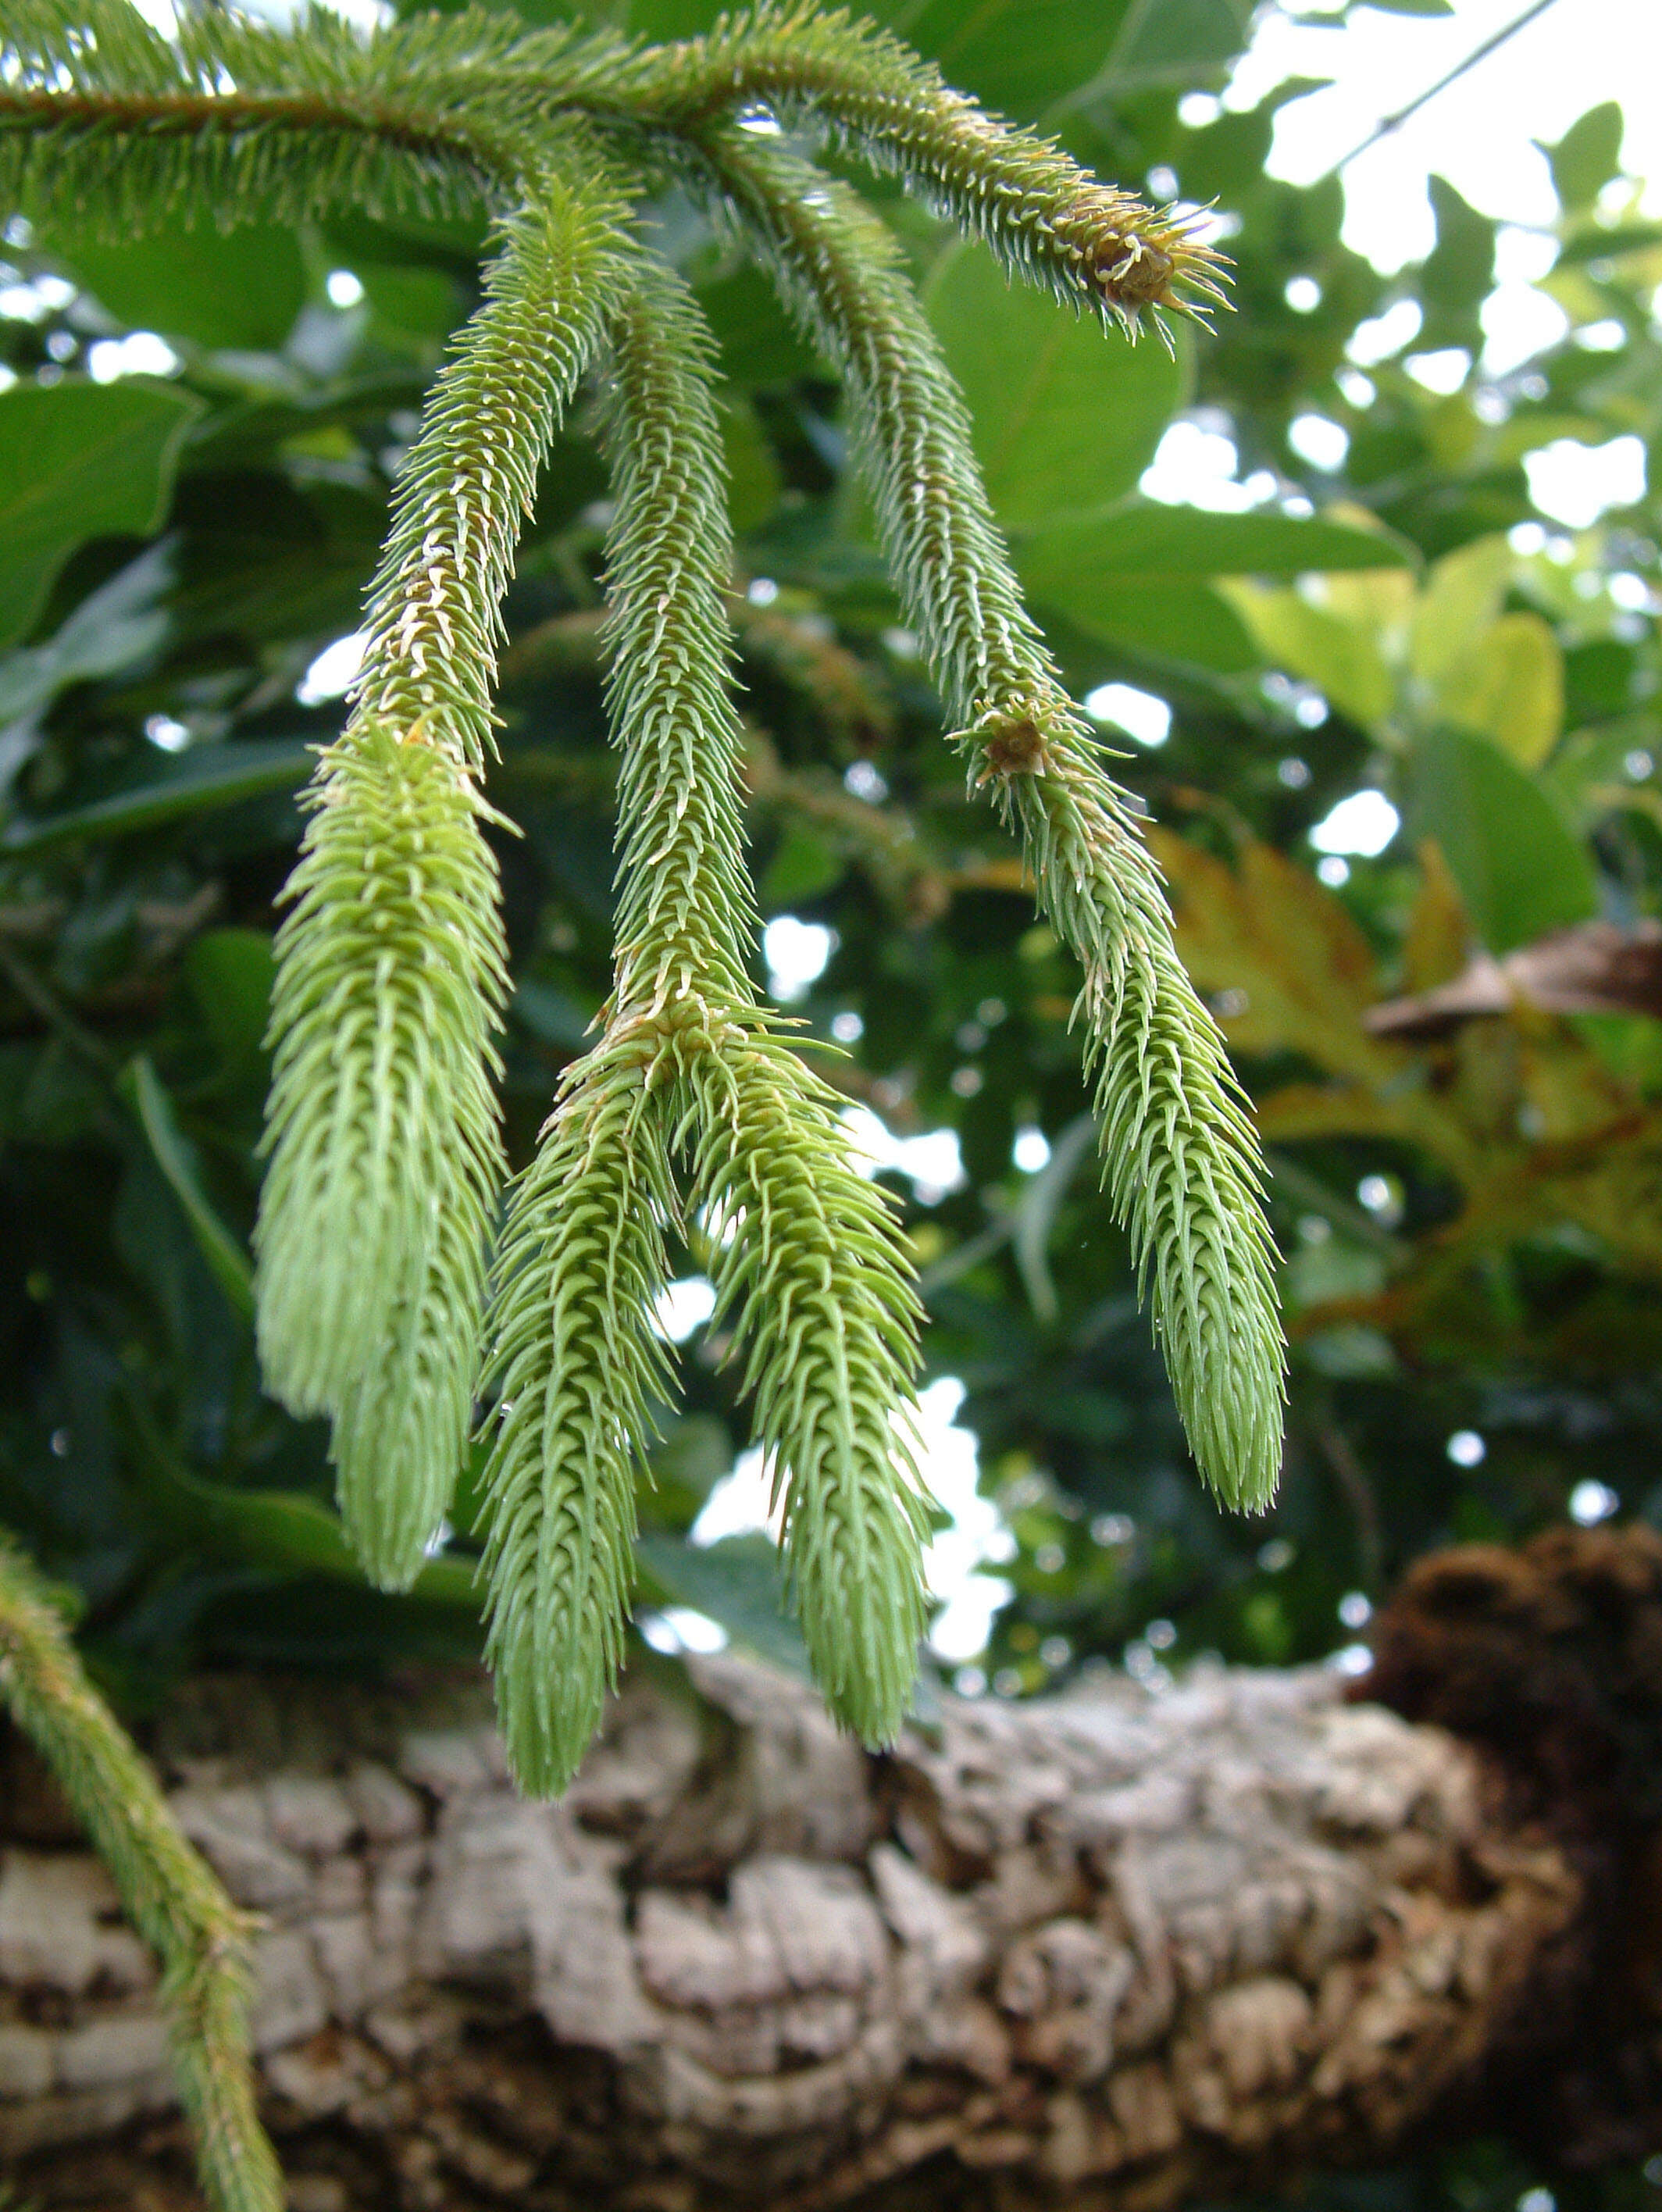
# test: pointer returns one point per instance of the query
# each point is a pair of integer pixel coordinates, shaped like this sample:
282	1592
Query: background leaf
1520	870
79	461
241	288
1066	417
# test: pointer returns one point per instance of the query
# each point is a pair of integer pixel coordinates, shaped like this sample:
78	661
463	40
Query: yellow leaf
1462	596
1439	941
1288	968
1341	656
1508	684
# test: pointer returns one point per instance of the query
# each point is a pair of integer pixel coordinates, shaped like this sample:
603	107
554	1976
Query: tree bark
1115	1949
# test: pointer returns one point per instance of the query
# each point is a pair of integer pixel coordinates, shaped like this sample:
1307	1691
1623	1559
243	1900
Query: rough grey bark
1115	1948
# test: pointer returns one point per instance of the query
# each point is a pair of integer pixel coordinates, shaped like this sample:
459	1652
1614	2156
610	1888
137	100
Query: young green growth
386	1167
1046	219
385	1159
816	1287
1181	1162
823	1305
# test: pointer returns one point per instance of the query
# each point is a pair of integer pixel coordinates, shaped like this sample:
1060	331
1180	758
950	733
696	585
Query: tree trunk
1115	1949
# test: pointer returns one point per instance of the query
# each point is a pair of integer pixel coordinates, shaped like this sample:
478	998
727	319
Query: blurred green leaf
1139	577
1587	156
176	1157
79	461
230	972
216	777
1017	56
1148	540
1180	620
738	1582
1521	871
552	1016
1609	245
1066	417
802	867
1341	656
112	627
1459	272
241	289
1036	1211
281	1529
758	346
1460	598
1508	684
753	474
410	306
1176	40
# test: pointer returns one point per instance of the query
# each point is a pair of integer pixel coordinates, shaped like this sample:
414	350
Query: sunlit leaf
1343	659
1508	684
1460	598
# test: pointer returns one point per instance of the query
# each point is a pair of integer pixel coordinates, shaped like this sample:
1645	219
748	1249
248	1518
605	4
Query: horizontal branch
1137	1944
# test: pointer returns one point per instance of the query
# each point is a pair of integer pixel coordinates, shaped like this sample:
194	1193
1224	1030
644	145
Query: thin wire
1390	123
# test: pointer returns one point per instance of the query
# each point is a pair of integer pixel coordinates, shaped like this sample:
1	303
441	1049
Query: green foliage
1500	1274
374	1214
1522	870
1179	1154
1063	423
385	1161
577	1369
77	463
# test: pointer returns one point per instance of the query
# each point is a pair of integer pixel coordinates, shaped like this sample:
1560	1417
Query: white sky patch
1140	715
738	1504
344	288
1194	465
332	674
933	1160
796	952
1576	483
1478	133
978	1537
1442	372
1381	337
1518	322
1323	443
682	1307
364	16
678	1628
33	301
141	353
1031	1150
1592	1502
1364	824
